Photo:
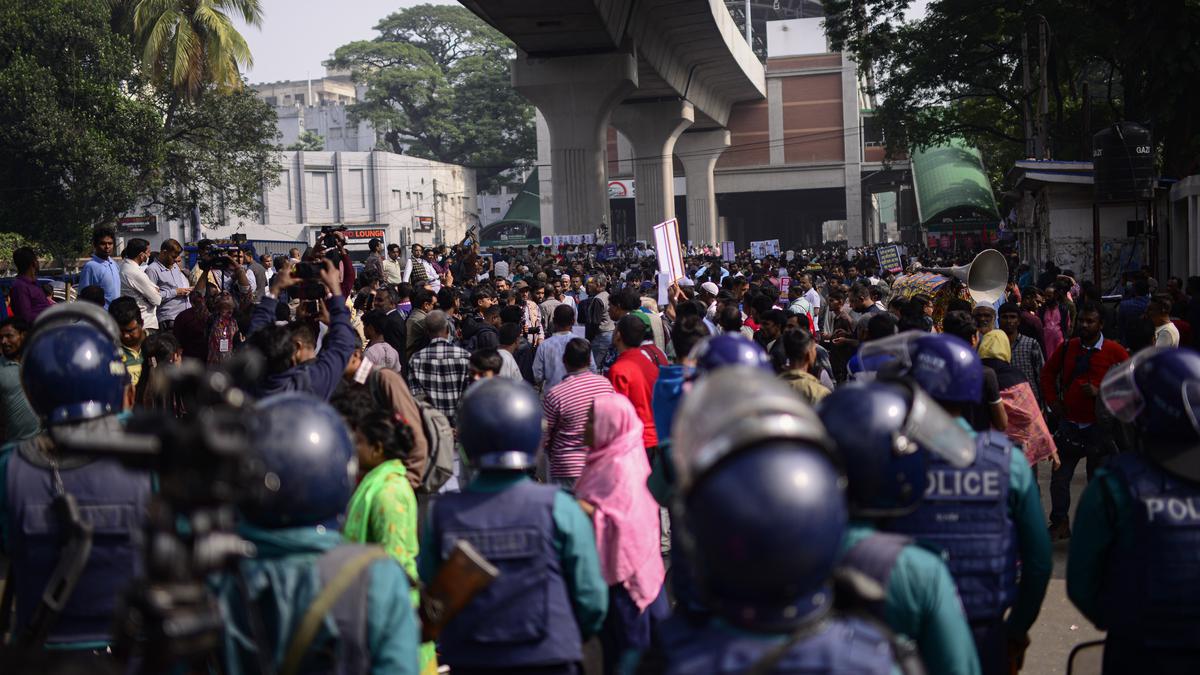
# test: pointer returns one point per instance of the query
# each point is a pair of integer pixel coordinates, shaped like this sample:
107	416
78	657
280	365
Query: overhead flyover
652	68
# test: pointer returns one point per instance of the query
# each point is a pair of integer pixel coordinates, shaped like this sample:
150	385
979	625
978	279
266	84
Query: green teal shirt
284	567
575	542
1033	541
20	422
1103	521
922	604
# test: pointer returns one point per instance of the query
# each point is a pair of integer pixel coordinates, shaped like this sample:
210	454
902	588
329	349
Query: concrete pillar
575	95
699	151
856	224
652	128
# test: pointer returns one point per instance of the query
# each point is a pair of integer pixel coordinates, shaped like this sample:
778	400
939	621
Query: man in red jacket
1070	381
636	370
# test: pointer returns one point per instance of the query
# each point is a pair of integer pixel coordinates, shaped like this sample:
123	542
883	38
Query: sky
297	35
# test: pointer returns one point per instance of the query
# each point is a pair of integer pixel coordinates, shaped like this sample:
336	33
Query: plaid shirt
1027	357
440	371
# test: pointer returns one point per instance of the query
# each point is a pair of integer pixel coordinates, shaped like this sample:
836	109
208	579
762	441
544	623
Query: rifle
464	574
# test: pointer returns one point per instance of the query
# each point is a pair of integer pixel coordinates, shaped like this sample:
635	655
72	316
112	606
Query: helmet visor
891	349
1119	391
936	431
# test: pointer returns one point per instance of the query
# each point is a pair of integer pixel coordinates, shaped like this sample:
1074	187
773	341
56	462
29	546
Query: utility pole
1043	92
437	222
1027	84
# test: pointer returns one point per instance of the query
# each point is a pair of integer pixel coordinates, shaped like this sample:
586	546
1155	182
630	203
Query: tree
308	140
438	87
188	44
74	142
958	71
220	153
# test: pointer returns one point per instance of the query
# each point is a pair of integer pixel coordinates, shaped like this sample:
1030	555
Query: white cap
686	282
710	288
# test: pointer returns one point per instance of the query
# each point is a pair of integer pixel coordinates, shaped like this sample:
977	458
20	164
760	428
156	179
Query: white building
318	105
377	194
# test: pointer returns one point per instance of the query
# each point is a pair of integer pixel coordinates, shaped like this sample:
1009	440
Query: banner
889	258
728	253
762	249
670	256
607	253
785	283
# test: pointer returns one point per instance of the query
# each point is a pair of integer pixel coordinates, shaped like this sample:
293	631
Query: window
396	199
299	99
358	183
872	131
318	188
335	132
495	209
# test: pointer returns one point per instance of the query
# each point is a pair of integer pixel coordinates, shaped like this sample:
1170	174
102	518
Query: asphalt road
1060	626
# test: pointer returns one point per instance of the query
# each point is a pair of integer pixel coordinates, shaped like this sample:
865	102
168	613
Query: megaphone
986	276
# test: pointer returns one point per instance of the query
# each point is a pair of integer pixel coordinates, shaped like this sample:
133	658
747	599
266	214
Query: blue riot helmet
72	369
734	408
765	527
309	462
500	424
885	432
947	368
759	498
727	349
888	355
1158	391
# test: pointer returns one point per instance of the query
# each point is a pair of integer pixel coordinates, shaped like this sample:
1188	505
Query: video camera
206	469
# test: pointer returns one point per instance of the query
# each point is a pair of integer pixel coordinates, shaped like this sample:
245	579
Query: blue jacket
321	375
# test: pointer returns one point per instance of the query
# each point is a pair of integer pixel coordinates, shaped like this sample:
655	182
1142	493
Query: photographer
333	240
290	365
222	270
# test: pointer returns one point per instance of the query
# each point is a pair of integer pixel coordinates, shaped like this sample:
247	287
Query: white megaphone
986	276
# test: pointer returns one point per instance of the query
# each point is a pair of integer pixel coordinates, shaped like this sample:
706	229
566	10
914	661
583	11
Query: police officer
987	517
550	595
886	435
762	512
1134	564
367	624
75	381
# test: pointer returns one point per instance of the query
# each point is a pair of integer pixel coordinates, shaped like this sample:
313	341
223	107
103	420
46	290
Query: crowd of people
778	464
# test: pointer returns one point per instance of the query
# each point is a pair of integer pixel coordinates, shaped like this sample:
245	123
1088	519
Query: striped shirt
566	409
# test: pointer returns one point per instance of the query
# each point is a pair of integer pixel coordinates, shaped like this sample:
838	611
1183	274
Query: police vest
112	498
525	616
965	515
1151	595
841	644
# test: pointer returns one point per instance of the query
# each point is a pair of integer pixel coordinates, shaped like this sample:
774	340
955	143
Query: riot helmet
1158	392
308	461
72	369
885	432
500	424
727	349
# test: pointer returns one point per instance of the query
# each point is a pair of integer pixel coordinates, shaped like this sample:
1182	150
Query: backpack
439	465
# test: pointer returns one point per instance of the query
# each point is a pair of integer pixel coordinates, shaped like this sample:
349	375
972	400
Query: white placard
666	242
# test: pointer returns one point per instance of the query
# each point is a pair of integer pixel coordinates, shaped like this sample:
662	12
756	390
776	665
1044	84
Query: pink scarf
626	517
1026	424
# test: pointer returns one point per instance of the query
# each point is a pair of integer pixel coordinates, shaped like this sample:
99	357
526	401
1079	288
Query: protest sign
889	258
670	256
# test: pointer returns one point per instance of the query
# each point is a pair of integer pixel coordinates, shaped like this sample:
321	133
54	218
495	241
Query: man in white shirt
135	283
393	270
813	298
1159	313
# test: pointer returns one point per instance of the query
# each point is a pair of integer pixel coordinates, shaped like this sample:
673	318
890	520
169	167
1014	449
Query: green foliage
189	44
309	140
75	142
221	152
958	72
438	87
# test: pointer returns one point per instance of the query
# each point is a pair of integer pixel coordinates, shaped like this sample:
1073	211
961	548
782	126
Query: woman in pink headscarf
612	489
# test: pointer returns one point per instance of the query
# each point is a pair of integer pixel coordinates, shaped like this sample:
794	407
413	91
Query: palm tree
186	44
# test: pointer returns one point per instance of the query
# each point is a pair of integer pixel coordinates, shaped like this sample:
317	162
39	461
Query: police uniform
985	518
1134	566
550	594
920	599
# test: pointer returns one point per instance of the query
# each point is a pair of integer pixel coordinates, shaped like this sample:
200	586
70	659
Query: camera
308	271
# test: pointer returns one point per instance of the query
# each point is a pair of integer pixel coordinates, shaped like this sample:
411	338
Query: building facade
396	198
320	106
